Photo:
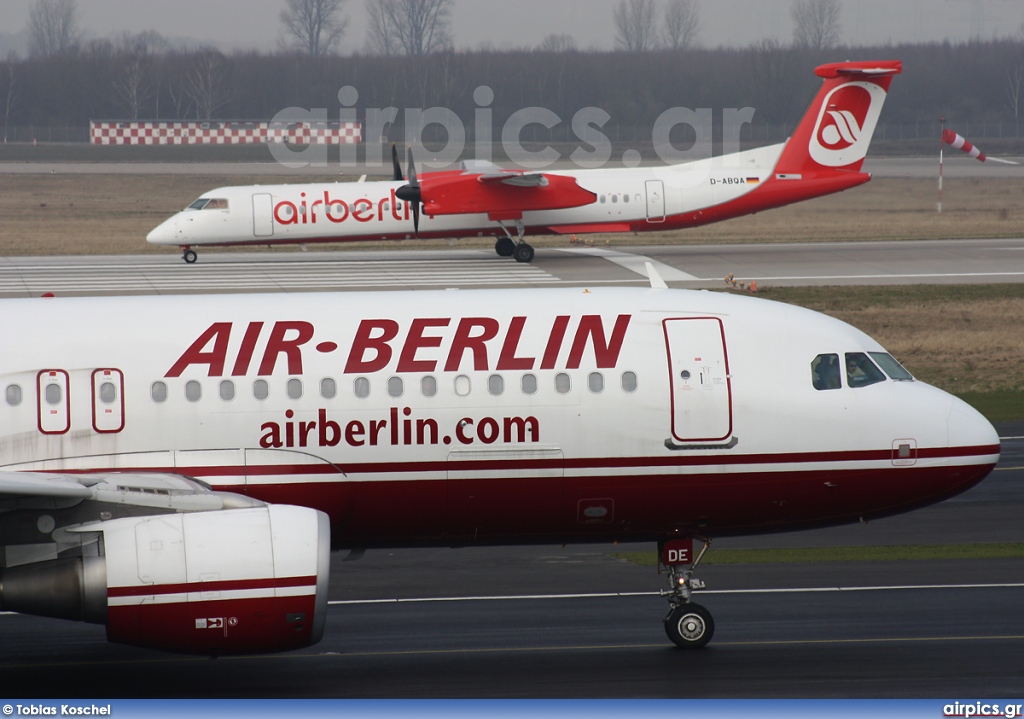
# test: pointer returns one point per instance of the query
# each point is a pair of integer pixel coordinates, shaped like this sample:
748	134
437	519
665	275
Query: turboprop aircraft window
860	371
108	393
396	387
595	381
428	385
563	383
53	394
361	387
602	199
891	367
629	381
825	372
615	199
625	198
529	384
496	385
227	390
199	204
328	388
13	395
193	391
216	204
158	391
295	388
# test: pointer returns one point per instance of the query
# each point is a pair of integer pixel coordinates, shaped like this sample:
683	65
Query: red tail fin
836	130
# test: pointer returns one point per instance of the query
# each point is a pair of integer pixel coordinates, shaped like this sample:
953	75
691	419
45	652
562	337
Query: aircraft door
107	401
262	215
655	201
52	401
701	389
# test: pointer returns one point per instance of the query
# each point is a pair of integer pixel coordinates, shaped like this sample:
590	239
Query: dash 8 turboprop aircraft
179	468
823	156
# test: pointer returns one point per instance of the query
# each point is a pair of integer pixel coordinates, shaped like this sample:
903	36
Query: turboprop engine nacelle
236	581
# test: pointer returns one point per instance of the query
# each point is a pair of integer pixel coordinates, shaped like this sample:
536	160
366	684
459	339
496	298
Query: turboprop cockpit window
825	372
891	367
199	204
860	371
216	204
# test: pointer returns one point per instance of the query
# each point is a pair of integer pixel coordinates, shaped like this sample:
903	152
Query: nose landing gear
188	254
688	625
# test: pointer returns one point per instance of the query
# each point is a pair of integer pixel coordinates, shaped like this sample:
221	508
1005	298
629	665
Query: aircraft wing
31	484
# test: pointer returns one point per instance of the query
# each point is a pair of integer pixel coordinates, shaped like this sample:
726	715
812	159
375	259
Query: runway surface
692	266
582	622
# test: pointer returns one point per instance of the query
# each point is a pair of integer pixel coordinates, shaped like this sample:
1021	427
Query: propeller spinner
411	192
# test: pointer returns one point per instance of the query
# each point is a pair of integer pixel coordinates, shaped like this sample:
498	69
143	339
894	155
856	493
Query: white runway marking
610	595
634	263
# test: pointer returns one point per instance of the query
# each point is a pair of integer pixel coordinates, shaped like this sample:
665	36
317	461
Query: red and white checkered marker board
960	143
221	133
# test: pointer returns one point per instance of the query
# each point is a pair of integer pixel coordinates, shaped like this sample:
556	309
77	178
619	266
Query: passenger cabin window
563	383
891	367
595	381
260	389
13	394
158	391
53	394
860	371
825	372
227	390
529	384
496	385
462	385
428	385
108	393
629	381
193	391
294	388
361	387
328	388
396	387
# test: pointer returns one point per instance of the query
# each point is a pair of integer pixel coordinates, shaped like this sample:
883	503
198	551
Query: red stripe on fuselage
221	586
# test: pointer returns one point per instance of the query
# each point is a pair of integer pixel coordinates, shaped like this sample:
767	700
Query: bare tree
10	95
557	43
52	26
133	87
1014	79
817	24
635	22
315	25
206	84
682	22
411	27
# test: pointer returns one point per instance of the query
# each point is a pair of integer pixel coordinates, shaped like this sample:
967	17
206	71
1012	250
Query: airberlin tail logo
846	123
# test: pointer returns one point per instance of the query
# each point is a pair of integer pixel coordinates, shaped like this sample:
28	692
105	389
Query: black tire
189	256
523	253
690	626
504	247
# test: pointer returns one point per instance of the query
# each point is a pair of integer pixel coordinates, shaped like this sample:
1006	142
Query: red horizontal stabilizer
466	194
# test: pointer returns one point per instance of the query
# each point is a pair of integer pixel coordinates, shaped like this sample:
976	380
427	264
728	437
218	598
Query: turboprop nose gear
188	254
688	625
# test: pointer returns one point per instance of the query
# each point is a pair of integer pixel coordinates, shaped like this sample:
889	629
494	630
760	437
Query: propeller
399	177
411	192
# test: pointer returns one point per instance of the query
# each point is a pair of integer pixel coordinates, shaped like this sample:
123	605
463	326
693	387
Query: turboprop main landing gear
688	625
189	255
507	246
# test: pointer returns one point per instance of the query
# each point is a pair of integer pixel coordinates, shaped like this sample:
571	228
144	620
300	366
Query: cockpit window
825	372
209	203
860	371
891	367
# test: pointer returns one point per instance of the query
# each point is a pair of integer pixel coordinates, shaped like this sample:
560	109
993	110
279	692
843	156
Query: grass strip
1003	550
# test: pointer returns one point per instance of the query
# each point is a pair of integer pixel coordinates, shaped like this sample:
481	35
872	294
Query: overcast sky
235	24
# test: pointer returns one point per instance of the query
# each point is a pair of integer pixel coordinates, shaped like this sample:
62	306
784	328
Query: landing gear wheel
189	256
504	247
689	626
523	253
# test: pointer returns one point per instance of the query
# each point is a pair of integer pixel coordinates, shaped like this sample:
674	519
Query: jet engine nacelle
236	581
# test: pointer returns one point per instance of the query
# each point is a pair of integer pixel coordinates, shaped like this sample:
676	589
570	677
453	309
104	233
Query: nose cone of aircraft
969	428
168	232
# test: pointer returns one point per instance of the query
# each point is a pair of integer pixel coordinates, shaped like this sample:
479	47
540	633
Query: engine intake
236	581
